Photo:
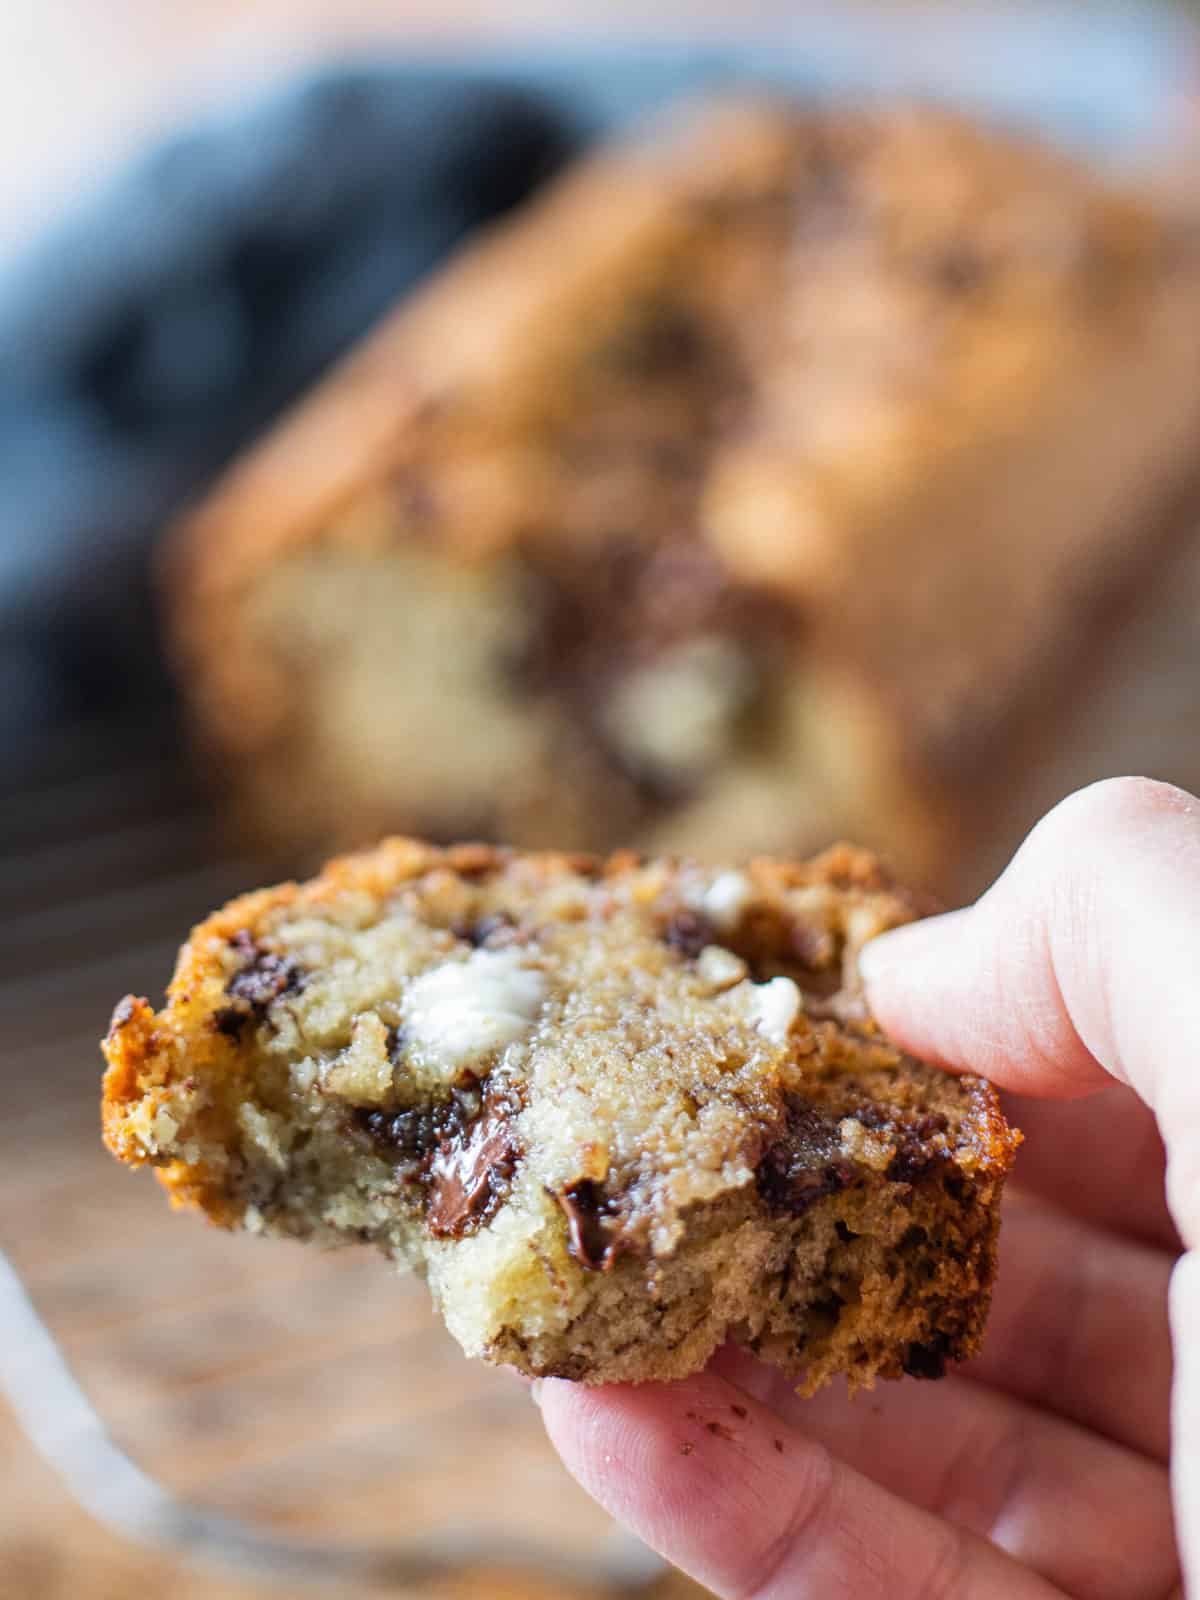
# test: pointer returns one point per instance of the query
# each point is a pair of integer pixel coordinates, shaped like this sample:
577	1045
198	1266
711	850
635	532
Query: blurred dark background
197	215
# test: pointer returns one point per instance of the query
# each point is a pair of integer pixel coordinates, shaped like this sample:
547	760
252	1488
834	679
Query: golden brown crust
915	309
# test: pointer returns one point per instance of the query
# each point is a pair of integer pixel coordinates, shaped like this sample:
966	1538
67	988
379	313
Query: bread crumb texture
615	1112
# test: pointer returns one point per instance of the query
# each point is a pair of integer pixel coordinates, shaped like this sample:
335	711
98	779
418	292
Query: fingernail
535	1391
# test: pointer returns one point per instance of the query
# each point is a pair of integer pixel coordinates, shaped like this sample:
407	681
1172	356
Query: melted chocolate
588	1211
805	1165
470	1174
928	1360
462	1153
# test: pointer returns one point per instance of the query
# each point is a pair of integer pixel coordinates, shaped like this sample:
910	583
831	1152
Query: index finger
1080	965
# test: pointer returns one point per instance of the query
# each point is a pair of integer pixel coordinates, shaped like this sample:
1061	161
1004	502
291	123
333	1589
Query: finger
754	1510
1079	963
1185	1407
1079	1327
1089	1516
1100	1158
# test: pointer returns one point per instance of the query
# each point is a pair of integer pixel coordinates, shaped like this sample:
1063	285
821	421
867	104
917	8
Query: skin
1051	1465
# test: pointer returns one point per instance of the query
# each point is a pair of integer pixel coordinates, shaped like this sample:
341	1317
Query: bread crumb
718	968
861	1145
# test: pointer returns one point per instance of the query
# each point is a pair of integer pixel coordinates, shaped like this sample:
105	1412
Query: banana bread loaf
745	490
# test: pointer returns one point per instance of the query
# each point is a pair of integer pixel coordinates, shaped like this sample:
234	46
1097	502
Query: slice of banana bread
736	495
616	1112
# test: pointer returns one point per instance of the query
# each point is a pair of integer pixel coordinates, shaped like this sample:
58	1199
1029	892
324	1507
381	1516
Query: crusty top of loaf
937	204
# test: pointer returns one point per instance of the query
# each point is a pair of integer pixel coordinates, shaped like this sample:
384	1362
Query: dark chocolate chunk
913	1160
409	1138
263	978
804	1165
912	1136
915	1154
689	932
589	1213
461	1151
470	1175
927	1360
931	1122
230	1020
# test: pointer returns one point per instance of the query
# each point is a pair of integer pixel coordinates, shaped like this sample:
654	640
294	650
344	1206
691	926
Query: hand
1042	1468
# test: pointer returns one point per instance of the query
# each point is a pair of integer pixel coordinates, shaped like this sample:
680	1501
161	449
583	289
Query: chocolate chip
913	1159
805	1165
589	1212
823	1314
845	1234
409	1138
718	1430
470	1175
263	978
230	1022
688	932
911	1135
462	1152
930	1123
927	1360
